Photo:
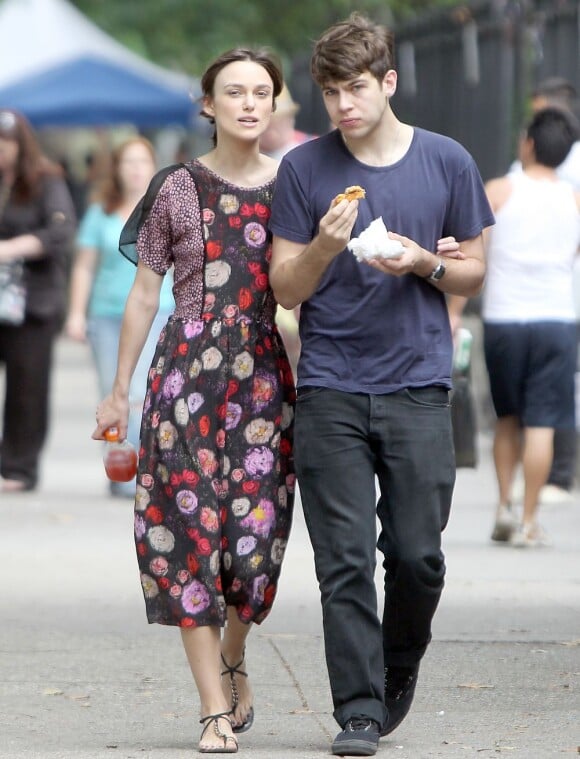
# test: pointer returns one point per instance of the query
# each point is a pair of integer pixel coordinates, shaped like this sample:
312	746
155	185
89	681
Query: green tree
186	34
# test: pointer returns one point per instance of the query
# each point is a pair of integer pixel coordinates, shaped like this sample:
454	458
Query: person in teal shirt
101	279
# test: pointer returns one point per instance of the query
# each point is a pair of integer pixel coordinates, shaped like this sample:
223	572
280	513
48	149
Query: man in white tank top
561	93
529	318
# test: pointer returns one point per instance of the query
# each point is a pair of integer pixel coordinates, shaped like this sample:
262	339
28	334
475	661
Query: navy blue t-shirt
362	330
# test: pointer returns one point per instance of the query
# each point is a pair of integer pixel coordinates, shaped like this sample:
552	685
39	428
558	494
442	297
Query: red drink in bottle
120	458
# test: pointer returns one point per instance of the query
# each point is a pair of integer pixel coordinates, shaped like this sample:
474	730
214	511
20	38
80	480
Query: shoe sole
354	747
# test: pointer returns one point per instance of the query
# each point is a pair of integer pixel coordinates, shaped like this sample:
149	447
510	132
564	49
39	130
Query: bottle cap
112	434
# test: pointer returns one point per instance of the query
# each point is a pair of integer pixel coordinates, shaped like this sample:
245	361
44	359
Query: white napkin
374	242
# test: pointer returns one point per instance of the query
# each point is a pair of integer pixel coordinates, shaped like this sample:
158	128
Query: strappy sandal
232	671
230	744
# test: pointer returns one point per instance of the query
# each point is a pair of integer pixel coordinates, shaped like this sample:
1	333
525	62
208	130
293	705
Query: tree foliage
187	34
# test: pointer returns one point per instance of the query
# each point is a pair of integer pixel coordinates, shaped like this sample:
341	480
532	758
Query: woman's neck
243	164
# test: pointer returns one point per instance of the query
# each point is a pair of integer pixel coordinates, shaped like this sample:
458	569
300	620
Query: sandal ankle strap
231	671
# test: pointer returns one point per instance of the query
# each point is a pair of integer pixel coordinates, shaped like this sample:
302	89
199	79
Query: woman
215	482
37	225
101	280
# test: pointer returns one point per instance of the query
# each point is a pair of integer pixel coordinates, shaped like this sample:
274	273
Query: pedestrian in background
215	484
101	280
530	339
37	226
375	368
560	93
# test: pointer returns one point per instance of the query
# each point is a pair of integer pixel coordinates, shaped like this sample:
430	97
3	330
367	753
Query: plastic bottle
120	459
462	353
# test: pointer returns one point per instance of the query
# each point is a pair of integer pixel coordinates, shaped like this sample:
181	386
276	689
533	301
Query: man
528	316
558	92
375	368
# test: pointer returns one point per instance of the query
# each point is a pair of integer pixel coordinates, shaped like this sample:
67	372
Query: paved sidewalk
84	677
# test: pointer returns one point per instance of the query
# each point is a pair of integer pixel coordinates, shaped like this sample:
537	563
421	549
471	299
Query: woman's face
136	168
242	100
8	155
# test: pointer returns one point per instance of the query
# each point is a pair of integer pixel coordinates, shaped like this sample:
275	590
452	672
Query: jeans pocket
303	393
434	396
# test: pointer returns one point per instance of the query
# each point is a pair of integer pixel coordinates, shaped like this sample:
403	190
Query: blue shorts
531	369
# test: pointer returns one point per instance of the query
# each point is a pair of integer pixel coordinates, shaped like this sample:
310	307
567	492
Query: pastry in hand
354	192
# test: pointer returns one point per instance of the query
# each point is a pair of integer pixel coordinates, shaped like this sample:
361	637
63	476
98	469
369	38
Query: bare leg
202	647
233	651
506	454
537	460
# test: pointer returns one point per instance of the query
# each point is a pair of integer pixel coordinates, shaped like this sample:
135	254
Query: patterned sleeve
171	233
154	241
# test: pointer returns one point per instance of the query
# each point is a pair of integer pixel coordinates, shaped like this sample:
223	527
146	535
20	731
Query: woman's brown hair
110	194
31	163
262	56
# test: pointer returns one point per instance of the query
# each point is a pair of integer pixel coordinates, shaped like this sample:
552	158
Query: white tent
60	69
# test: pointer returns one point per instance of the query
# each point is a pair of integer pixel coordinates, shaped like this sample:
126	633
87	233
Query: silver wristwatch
438	272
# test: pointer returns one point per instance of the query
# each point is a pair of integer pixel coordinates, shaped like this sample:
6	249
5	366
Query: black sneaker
360	737
400	685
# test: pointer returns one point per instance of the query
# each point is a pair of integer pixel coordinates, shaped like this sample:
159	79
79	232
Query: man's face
357	106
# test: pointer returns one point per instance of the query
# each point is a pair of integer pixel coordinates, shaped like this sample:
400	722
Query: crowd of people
200	368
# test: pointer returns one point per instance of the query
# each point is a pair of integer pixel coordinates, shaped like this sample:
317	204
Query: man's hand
413	260
336	227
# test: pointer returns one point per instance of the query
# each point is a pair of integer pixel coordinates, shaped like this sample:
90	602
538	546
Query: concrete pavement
83	676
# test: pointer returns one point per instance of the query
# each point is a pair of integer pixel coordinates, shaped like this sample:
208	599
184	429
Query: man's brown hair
350	48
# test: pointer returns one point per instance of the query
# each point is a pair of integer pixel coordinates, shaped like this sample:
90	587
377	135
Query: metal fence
467	72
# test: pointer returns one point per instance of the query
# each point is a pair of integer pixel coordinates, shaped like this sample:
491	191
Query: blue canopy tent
92	91
61	70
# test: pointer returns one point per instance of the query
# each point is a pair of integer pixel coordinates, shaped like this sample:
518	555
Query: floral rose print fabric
215	486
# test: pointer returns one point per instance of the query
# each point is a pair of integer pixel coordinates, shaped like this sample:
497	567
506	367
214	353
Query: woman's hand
112	412
448	247
75	327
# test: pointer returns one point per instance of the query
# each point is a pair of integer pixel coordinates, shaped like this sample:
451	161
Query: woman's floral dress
215	486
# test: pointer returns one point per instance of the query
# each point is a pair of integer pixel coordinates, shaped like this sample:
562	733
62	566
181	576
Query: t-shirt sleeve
89	233
291	213
469	211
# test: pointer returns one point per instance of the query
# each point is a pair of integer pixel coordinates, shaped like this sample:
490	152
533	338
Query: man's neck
539	171
385	145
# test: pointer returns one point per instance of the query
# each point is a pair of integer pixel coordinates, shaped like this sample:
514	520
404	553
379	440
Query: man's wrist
433	269
438	272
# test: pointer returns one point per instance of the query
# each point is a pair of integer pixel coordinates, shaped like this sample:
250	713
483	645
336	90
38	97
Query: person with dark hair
215	483
528	315
374	373
559	92
37	226
101	280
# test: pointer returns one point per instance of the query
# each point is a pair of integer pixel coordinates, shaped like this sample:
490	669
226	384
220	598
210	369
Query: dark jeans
342	442
26	352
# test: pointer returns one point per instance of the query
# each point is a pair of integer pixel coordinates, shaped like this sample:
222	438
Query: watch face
438	272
